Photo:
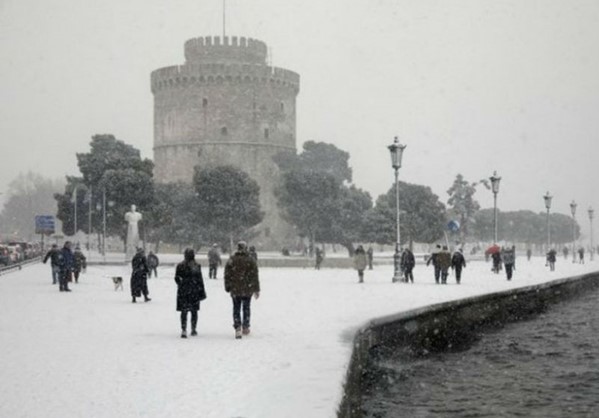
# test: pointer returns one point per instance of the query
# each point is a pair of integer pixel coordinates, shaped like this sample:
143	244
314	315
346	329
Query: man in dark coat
319	258
54	255
444	263
434	259
241	282
407	265
190	291
457	263
551	257
370	255
139	276
65	263
213	261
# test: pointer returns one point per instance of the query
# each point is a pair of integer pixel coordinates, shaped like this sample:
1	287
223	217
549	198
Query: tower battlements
225	50
184	75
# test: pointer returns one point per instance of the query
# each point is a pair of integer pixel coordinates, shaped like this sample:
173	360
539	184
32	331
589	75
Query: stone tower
226	106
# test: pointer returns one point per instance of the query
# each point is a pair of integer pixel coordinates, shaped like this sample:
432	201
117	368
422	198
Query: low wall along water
446	327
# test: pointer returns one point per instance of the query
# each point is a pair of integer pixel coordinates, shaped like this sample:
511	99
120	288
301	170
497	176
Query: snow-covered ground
92	353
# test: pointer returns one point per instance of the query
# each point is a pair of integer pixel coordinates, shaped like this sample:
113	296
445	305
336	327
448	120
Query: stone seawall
448	326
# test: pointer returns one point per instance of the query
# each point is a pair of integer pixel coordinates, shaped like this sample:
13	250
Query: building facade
226	106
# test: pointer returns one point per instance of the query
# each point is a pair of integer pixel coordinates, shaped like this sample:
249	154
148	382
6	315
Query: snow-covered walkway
92	353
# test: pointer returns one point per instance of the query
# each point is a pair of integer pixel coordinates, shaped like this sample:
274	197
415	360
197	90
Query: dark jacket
407	260
79	261
458	261
139	275
54	256
190	286
66	260
241	275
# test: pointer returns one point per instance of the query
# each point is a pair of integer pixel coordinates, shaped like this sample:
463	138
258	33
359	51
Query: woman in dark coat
139	276
190	292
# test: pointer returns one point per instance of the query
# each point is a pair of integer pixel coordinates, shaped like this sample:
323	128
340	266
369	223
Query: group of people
241	282
65	265
442	260
505	257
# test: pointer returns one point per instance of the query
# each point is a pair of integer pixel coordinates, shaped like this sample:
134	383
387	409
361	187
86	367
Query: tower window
223	130
266	133
204	102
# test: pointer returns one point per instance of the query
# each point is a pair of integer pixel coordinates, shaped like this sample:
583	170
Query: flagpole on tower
224	21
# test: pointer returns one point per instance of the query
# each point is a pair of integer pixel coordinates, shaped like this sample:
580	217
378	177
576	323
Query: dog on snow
118	283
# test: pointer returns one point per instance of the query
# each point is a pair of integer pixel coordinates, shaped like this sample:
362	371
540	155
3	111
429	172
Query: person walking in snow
434	260
508	256
457	263
190	291
242	282
360	262
551	257
370	255
444	261
214	261
65	263
153	263
407	263
79	263
319	258
54	255
139	276
528	254
581	255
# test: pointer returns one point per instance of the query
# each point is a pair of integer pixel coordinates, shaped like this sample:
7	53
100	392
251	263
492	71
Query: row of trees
315	194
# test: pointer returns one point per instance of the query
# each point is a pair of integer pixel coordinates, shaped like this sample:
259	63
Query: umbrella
493	249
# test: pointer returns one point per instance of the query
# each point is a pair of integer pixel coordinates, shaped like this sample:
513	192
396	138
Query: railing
19	265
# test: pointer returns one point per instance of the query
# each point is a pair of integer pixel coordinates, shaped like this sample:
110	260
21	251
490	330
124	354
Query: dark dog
118	283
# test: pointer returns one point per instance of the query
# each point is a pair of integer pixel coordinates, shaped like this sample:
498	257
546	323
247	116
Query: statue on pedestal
132	217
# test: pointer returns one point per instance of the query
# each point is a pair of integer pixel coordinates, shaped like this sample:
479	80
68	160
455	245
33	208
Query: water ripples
547	367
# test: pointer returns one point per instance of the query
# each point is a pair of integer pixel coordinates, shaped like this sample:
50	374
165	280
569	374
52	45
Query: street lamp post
591	213
495	188
573	210
548	198
396	150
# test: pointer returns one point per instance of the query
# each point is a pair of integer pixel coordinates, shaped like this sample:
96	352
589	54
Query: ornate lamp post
396	150
495	188
548	198
573	210
591	213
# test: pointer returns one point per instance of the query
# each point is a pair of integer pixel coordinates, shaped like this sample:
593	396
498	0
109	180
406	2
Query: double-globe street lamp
573	206
396	150
591	215
547	197
495	189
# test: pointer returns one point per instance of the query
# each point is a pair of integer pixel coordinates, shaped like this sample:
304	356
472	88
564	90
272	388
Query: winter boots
238	333
194	333
245	331
183	334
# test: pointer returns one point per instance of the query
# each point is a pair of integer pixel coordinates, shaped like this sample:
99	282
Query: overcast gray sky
469	86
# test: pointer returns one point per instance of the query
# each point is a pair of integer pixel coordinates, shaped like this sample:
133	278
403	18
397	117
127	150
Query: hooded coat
190	283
